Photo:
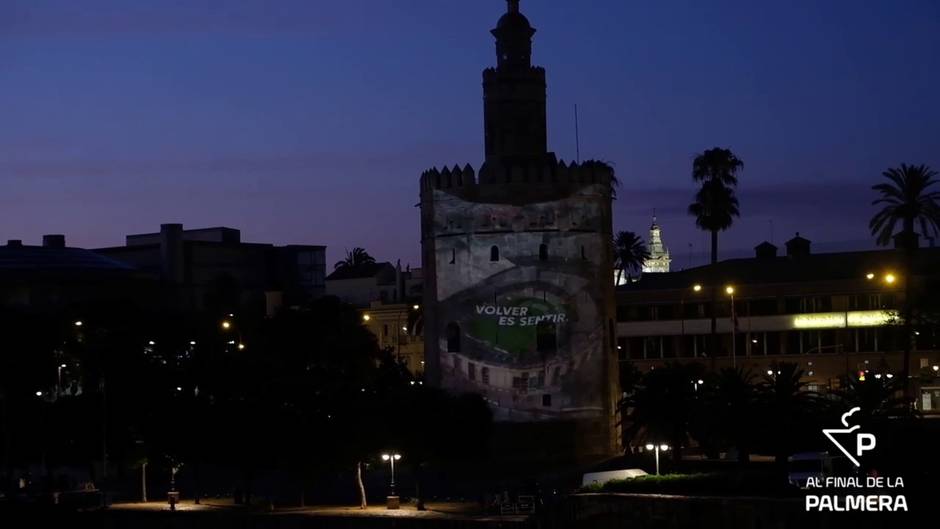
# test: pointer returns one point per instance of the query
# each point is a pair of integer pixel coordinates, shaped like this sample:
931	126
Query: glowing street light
78	323
226	324
656	448
366	317
734	327
392	500
696	288
416	307
241	347
869	276
890	278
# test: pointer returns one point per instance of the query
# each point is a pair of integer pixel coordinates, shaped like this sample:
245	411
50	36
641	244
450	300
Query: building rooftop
788	269
16	257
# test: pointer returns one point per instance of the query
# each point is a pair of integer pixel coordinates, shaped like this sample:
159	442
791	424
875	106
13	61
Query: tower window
547	400
453	338
453	256
485	375
545	338
583	254
543	252
494	253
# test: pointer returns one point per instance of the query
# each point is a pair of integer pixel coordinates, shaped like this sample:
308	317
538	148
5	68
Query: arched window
543	252
453	338
494	253
545	339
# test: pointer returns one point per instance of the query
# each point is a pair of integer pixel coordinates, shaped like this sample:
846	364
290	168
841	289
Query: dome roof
513	21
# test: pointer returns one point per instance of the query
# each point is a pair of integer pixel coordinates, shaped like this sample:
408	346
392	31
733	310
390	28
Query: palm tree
715	205
788	408
356	257
729	410
661	407
714	210
906	199
717	165
629	253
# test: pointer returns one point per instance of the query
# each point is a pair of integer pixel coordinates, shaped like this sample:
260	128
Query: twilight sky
309	121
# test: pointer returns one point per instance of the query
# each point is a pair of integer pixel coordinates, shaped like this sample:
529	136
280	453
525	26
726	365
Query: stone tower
519	306
659	260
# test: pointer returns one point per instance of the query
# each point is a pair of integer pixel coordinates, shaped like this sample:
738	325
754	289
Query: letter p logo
863	443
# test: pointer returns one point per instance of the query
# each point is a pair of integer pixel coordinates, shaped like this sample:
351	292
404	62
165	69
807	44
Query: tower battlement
513	175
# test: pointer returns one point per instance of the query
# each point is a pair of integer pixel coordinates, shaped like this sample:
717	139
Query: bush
703	484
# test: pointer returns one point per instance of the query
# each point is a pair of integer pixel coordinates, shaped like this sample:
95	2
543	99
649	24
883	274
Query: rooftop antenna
577	136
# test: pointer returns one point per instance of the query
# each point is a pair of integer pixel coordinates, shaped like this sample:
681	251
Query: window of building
453	256
547	400
762	307
471	371
583	254
458	364
385	330
453	337
485	375
543	252
494	253
545	338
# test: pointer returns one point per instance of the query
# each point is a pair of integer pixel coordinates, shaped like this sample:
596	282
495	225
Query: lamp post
734	339
656	448
392	500
58	386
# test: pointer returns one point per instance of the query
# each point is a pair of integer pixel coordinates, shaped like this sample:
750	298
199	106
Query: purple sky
309	121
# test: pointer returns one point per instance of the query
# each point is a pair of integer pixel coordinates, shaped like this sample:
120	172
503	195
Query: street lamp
59	378
366	317
416	307
78	323
734	338
392	500
656	448
696	288
890	278
226	324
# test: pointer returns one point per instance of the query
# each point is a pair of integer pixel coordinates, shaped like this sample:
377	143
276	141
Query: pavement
435	510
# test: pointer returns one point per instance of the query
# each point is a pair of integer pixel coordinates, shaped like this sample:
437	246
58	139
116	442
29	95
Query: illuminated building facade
517	259
834	314
659	260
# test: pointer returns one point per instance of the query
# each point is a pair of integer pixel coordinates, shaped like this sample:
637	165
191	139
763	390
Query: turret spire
513	6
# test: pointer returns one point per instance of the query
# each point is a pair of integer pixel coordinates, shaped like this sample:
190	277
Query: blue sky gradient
307	121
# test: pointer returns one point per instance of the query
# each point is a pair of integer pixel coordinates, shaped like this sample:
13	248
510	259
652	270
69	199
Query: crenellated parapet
510	177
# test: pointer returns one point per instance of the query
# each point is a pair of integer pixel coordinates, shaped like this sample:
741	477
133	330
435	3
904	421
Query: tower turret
514	93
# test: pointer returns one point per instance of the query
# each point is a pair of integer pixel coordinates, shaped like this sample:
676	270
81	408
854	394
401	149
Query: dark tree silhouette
906	199
714	209
788	408
354	258
729	409
629	253
661	407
